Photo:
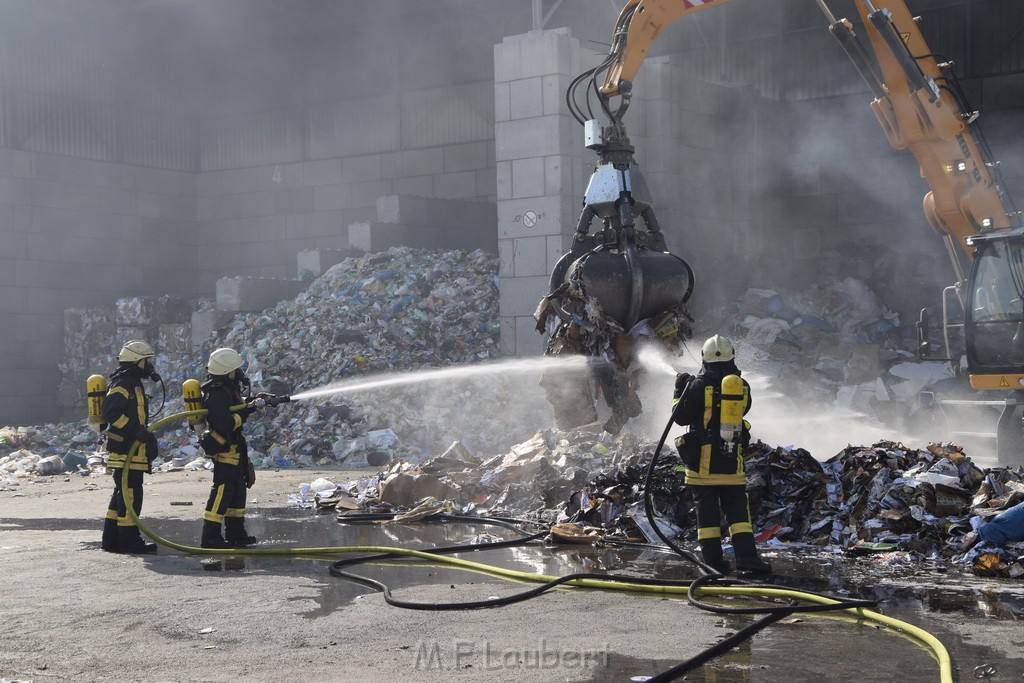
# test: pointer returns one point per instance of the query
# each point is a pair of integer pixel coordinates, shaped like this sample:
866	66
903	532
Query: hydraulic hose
601	582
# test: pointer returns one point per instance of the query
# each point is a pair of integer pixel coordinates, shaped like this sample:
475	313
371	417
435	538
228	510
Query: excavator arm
639	24
921	108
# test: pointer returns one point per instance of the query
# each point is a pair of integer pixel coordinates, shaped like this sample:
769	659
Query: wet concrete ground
976	619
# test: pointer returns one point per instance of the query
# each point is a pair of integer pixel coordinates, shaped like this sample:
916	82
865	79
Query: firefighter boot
211	536
711	551
109	542
129	540
235	533
746	555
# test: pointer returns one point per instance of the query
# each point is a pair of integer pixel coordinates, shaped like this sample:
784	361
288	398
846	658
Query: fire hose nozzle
274	400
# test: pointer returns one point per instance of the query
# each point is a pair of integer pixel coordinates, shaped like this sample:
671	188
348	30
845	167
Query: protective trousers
710	502
119	530
226	504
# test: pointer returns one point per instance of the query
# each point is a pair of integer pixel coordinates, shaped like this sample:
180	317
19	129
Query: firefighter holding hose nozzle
712	406
227	386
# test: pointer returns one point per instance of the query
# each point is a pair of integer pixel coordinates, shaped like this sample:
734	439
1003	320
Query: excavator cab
994	316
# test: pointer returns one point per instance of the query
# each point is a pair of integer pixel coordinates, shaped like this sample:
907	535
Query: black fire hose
649	501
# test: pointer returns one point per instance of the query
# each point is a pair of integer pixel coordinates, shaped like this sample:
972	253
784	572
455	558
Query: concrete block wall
540	173
252	221
316	262
249	294
76	233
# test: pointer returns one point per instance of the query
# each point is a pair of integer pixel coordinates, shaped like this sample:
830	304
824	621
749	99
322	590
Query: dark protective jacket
126	410
224	442
697	404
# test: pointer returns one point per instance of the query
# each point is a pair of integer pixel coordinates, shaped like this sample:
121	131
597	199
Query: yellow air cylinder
193	396
95	390
731	421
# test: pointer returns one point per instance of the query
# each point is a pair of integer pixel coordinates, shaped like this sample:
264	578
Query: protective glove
682	379
141	434
257	403
250	474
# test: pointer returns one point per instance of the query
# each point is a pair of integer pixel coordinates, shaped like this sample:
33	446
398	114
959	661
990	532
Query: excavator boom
639	24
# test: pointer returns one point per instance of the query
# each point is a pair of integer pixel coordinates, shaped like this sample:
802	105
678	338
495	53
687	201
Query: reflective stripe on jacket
706	461
125	409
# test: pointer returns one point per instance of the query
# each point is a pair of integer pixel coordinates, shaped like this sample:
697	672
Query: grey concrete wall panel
529	255
280	176
550	215
332	197
353	127
520	295
526	97
532	54
376	236
456	185
270	228
316	262
466	157
507	335
422	185
467	240
502	102
503	180
324	223
486	184
528	178
534	137
322	172
365	194
355	169
528	341
153	139
448	115
251	139
416	162
206	323
253	293
437	212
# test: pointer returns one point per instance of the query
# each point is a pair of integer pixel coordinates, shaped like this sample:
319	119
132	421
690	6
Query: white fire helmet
134	351
716	350
223	361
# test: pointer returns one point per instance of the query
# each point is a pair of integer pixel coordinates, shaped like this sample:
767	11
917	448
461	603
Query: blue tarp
1006	527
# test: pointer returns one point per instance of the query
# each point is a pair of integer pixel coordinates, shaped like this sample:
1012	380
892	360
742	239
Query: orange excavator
626	275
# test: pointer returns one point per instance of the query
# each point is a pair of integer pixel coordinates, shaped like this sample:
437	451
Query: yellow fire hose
938	650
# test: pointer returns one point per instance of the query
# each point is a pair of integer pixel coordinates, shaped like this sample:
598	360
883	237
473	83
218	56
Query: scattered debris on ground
441	446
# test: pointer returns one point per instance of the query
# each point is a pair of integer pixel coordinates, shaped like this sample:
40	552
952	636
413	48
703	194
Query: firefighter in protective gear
712	406
125	409
225	386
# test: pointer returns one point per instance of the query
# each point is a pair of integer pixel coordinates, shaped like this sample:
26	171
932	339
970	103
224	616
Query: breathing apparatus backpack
727	403
730	421
193	395
95	392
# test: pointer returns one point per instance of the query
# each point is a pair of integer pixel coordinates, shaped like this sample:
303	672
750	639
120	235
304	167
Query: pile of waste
833	344
93	337
400	310
882	499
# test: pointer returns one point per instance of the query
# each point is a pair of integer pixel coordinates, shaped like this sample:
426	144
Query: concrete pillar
539	155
